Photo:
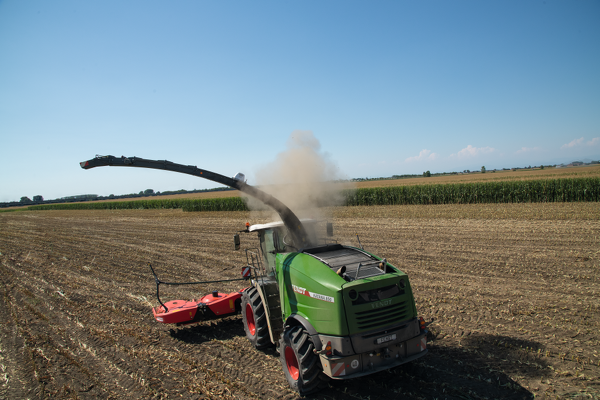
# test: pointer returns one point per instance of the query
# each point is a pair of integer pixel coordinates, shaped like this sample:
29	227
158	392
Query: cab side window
267	247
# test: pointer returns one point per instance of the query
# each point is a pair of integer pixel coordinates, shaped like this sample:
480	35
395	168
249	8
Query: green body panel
301	276
309	288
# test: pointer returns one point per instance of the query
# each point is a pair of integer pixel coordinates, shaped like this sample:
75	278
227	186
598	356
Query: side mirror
329	229
236	241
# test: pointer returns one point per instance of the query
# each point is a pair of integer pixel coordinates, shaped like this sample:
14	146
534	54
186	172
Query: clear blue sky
387	87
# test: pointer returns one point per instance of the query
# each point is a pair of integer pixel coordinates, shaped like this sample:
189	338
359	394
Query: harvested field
587	171
216	194
513	289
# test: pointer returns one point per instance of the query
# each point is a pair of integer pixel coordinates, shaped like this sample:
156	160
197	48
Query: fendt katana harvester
334	311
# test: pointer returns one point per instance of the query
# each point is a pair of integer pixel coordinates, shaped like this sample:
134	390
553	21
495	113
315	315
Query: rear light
421	323
328	350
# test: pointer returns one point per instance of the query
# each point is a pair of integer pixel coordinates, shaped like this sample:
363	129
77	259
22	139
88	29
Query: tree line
39	199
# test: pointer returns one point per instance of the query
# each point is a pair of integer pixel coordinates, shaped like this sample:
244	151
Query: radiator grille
379	317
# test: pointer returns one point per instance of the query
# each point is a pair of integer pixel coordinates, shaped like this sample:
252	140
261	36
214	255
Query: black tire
255	319
301	366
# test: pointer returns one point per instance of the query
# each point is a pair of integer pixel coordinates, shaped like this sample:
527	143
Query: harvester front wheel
255	319
301	365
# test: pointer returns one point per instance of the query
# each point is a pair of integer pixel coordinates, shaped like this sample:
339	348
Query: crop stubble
513	290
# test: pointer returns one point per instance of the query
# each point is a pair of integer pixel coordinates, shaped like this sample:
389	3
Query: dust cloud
303	177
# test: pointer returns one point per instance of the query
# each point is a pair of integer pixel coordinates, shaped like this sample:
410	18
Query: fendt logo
380	304
317	296
299	289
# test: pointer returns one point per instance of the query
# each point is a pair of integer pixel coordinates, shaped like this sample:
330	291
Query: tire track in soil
234	363
492	287
50	344
70	292
15	358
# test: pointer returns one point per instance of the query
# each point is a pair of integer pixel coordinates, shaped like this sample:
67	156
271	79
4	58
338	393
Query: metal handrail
158	282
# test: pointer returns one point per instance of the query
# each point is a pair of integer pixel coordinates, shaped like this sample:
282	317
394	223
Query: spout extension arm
101	161
290	220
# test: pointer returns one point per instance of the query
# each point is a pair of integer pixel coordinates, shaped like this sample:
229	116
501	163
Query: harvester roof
276	224
359	264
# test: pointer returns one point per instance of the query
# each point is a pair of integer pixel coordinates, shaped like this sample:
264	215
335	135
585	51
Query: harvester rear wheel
255	319
301	366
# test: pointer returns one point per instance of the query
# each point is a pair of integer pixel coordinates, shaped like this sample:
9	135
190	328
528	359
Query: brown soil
513	290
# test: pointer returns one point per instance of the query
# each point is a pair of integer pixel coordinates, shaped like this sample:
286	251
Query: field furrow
513	291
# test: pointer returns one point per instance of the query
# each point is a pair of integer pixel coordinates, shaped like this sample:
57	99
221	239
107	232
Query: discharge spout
289	219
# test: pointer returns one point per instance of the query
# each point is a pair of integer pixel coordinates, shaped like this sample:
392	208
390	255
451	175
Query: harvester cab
274	239
333	311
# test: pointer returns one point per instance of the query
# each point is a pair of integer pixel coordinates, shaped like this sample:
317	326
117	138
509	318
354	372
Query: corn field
533	191
538	191
224	204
